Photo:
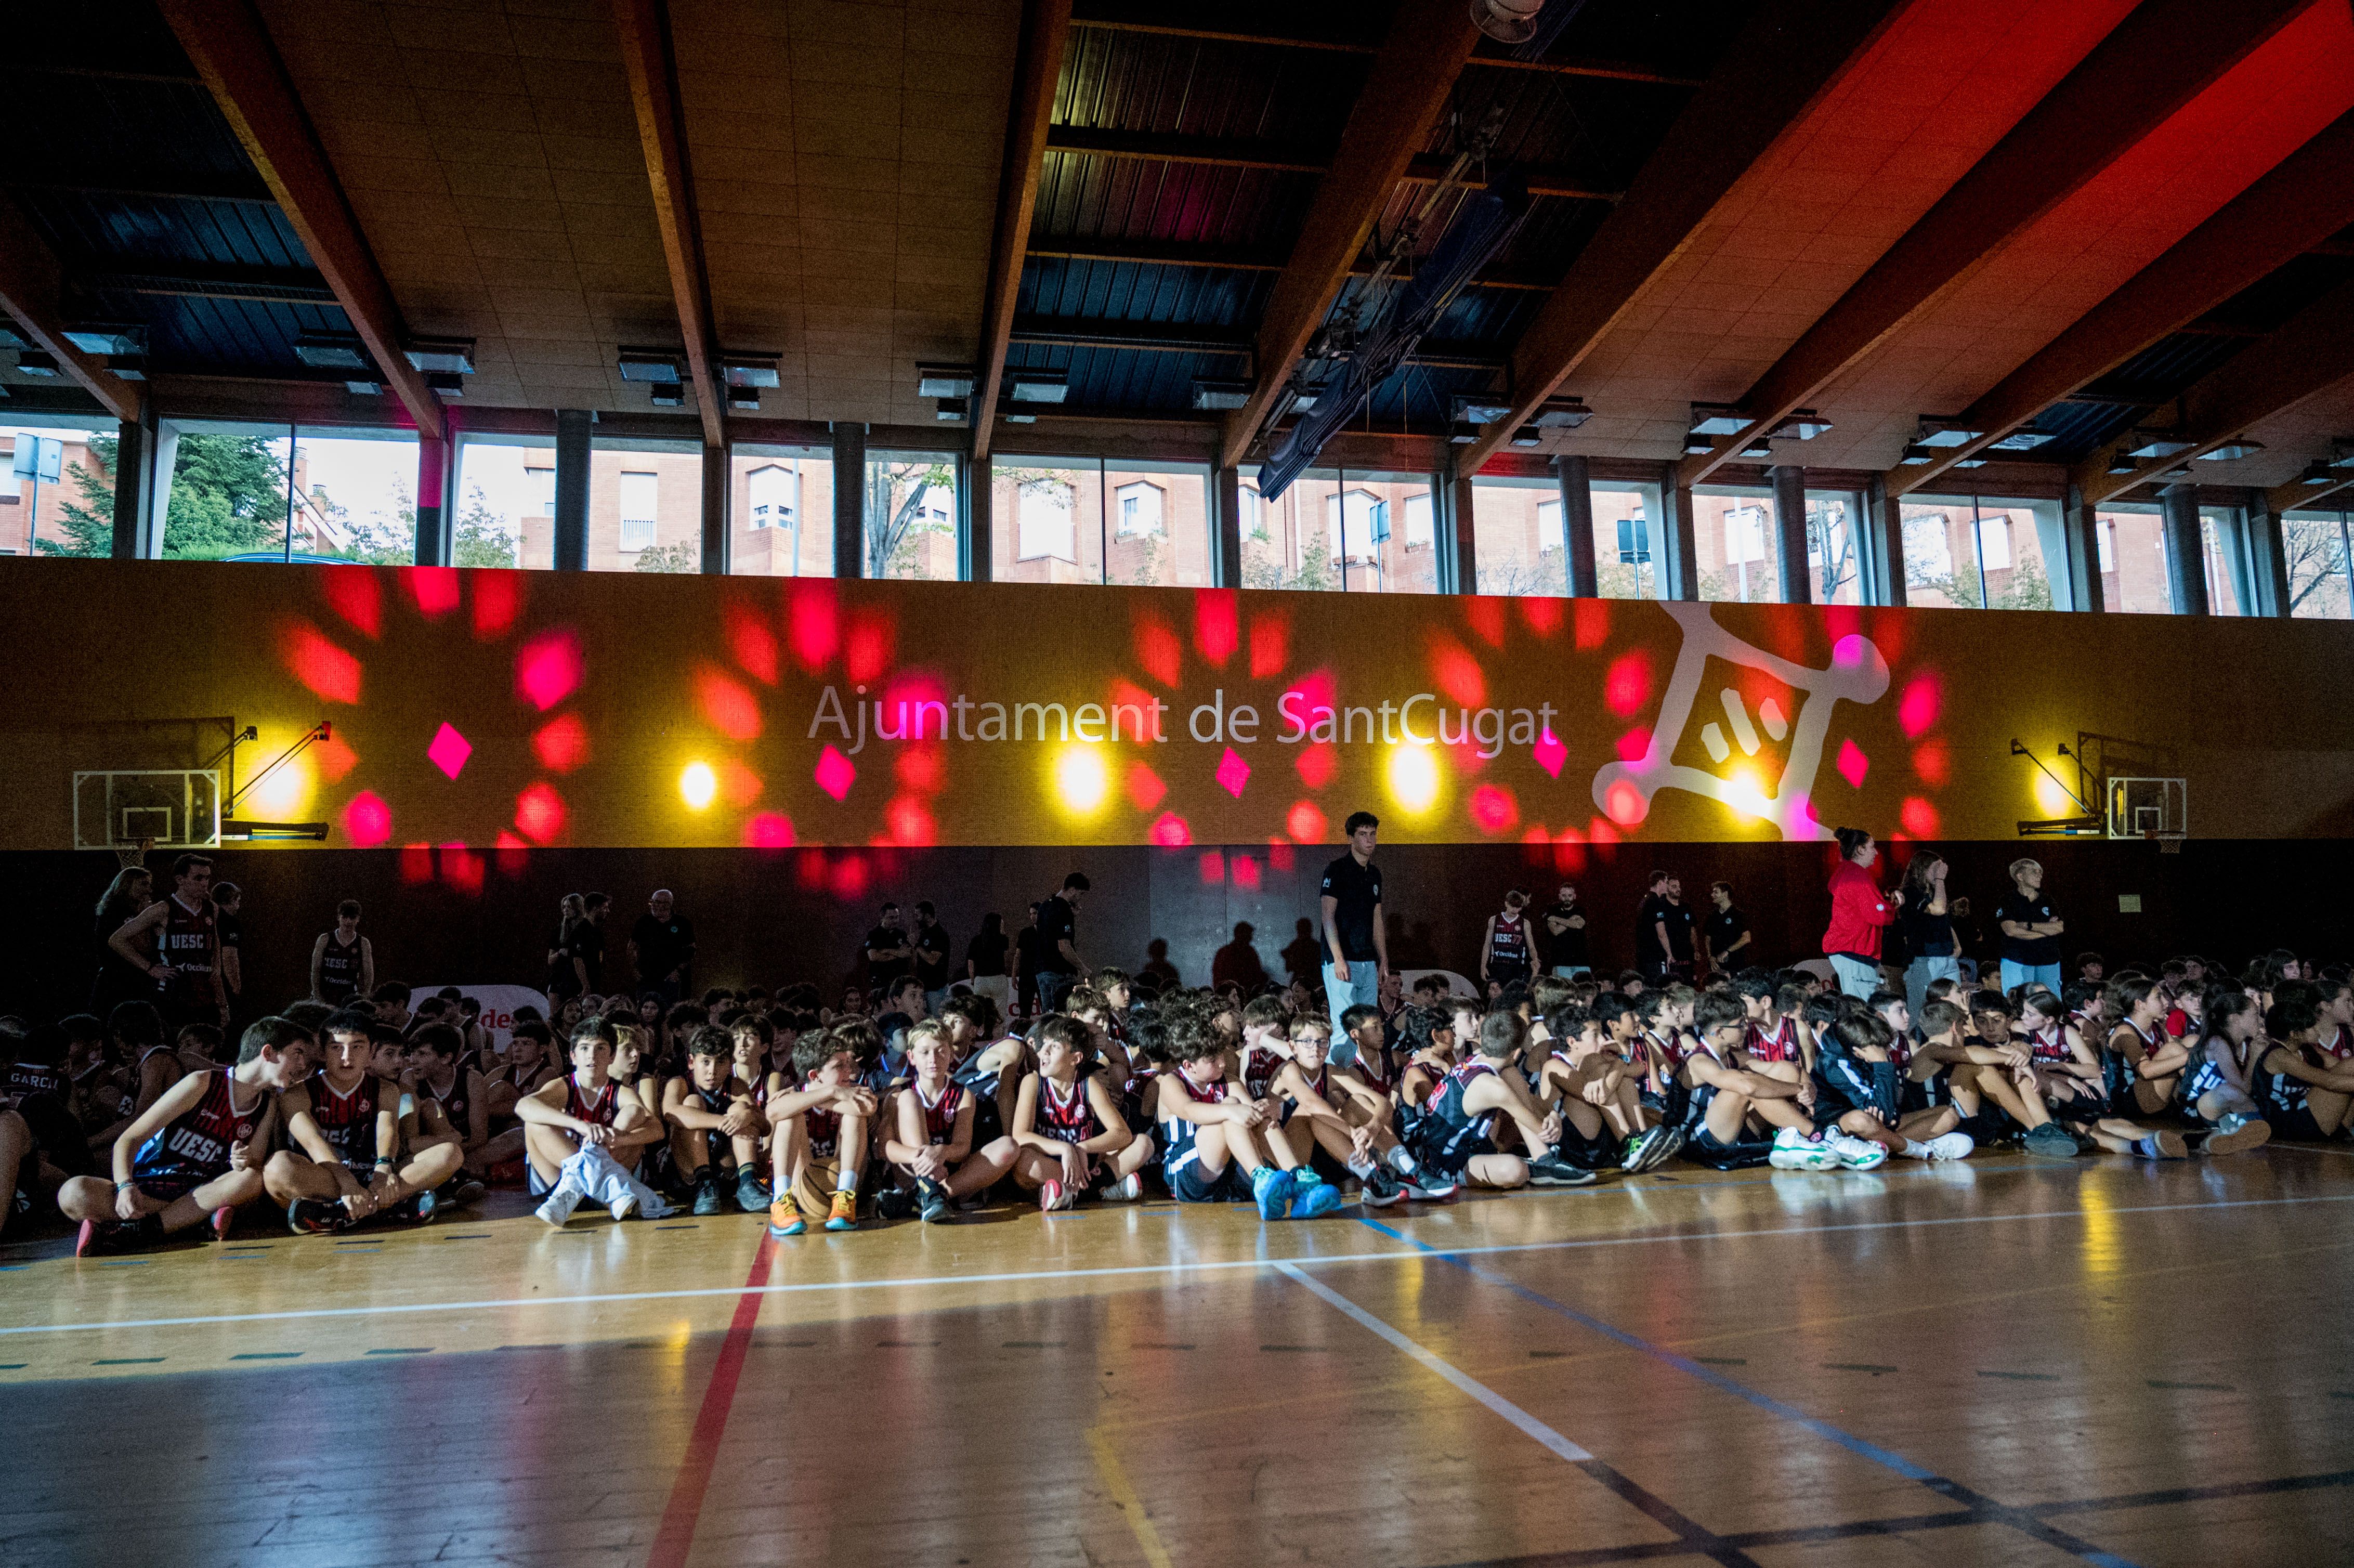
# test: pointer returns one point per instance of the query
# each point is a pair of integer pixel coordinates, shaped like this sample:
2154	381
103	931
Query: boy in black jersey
1596	1094
932	1149
1070	1135
1335	1123
571	1126
1453	1134
1216	1138
818	1135
450	1105
346	1122
715	1126
2304	1091
196	1153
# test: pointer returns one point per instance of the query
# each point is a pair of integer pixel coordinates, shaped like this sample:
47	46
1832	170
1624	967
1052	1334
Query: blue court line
1211	1266
1996	1512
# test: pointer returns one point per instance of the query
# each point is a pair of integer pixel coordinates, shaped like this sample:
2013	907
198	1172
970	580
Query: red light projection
1458	674
814	623
1627	687
739	785
357	594
867	652
1145	789
911	823
1853	764
449	750
1216	625
561	744
333	757
367	820
1317	764
317	662
1917	710
1213	868
434	590
1170	832
919	768
1485	617
728	705
548	668
498	600
1919	817
1933	762
1493	809
1634	744
511	855
770	830
1280	856
752	642
540	814
836	773
461	868
1158	650
1544	614
416	864
1270	645
1246	873
1306	822
1589	624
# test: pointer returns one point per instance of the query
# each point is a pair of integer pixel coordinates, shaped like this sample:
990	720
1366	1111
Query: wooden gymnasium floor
2002	1361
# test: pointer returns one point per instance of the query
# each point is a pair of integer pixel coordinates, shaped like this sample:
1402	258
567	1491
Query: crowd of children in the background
373	1112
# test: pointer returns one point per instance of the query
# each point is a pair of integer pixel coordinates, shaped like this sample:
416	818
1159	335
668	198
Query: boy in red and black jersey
344	1164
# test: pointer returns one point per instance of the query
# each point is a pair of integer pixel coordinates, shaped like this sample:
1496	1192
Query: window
2222	536
1253	506
2320	587
1338	530
263	493
910	516
1046	524
56	491
1744	534
1940	569
2133	561
2105	541
1736	546
1831	547
1994	542
1419	534
543	482
641	506
502	519
1516	537
1625	519
781	511
1139	509
1355	521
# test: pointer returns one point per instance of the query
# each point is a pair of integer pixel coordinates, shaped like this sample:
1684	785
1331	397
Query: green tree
480	538
895	527
89	521
678	558
228	497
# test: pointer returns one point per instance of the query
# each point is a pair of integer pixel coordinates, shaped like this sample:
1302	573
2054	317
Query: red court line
676	1536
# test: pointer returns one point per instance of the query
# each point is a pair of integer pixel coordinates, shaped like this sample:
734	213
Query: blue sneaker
1312	1196
1272	1189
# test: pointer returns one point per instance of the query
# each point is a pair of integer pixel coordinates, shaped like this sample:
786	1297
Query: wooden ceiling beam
230	48
647	56
1792	53
2306	196
2312	352
32	290
2163	55
1406	91
1038	64
1231	152
2295	497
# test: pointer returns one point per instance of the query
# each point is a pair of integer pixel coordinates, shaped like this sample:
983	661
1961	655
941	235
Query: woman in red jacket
1859	913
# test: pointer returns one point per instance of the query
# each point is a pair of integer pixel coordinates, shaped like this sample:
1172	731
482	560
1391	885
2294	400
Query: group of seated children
349	1116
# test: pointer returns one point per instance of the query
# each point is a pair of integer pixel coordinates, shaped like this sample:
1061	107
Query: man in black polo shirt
1566	937
1058	952
661	947
1653	948
888	953
931	945
1356	944
1725	934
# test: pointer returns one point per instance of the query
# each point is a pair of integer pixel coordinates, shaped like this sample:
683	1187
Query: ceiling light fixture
2318	474
2143	445
1038	385
331	351
442	355
1917	456
1944	431
35	362
656	367
1562	412
748	371
1212	392
1716	419
446	383
2025	438
944	380
1526	436
131	340
1480	409
2236	447
1804	424
949	411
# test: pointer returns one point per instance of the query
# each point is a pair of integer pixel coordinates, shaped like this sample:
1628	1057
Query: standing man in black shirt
1058	952
1654	947
227	901
662	946
1725	932
888	955
931	957
1565	936
1357	941
2030	930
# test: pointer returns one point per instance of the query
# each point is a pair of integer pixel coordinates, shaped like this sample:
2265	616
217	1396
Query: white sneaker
623	1206
1793	1150
1855	1153
562	1199
1952	1146
1129	1187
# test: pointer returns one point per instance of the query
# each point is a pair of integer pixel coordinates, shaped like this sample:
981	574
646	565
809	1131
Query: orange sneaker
845	1213
785	1218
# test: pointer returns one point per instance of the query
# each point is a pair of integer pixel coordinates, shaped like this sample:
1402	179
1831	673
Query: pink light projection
432	589
367	820
1233	772
541	813
548	669
769	831
1853	764
1919	817
1493	809
1158	650
449	750
1246	873
1213	868
1169	830
1485	617
498	600
1317	764
728	704
814	623
1917	710
1217	625
1934	762
836	773
461	868
357	594
561	744
1626	685
1270	645
1551	753
1306	821
416	864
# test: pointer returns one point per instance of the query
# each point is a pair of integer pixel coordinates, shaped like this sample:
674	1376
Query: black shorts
1436	1154
1188	1183
2296	1125
1704	1149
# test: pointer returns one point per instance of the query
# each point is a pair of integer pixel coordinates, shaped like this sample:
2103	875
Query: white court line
1461	1380
1416	1250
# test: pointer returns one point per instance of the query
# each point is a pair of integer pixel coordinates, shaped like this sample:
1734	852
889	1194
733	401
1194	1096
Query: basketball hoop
2167	842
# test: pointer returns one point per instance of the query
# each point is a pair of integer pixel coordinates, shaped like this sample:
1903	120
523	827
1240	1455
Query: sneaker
751	1196
1793	1150
1128	1188
1272	1191
1856	1153
844	1216
1427	1186
422	1207
1552	1170
561	1202
933	1199
315	1217
103	1238
465	1195
625	1203
2051	1140
896	1203
222	1220
1668	1146
2242	1134
706	1194
1379	1188
2162	1145
1643	1150
785	1219
1312	1196
1053	1195
1951	1146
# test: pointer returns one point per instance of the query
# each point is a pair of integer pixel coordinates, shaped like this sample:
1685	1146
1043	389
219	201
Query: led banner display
472	712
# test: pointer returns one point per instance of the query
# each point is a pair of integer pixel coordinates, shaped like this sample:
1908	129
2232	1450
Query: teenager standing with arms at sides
1356	943
1059	963
984	963
1860	912
1927	927
2031	931
342	963
1725	935
1506	954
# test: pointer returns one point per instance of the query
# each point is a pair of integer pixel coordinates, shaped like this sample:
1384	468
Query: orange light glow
752	643
1306	822
1145	789
317	662
540	814
1158	650
728	704
1413	777
739	785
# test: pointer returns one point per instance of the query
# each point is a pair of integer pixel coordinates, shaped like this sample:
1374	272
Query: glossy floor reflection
2003	1361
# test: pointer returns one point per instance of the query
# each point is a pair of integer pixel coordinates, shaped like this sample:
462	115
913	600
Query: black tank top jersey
2117	1070
33	1078
988	1121
1068	1118
140	1071
457	1105
2278	1094
1177	1133
348	1119
1507	947
1782	1045
1446	1120
186	945
339	969
600	1107
941	1115
195	1145
1259	1068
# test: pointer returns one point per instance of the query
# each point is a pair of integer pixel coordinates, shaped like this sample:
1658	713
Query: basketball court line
1992	1511
1129	1270
1693	1538
676	1536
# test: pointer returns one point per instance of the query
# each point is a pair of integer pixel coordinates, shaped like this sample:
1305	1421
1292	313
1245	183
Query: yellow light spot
282	797
1081	779
698	784
1748	796
1413	777
2052	799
